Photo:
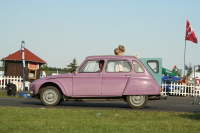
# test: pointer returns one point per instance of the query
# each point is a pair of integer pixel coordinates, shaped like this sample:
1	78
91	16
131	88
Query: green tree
72	66
45	67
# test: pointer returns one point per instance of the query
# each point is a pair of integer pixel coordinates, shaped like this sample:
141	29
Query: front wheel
50	96
137	102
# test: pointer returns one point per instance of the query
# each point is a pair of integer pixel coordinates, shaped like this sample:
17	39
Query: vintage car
104	77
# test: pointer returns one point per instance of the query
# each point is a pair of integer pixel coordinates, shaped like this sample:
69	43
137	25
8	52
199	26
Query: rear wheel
50	96
137	102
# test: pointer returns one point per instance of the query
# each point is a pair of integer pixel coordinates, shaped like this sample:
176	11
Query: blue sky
59	30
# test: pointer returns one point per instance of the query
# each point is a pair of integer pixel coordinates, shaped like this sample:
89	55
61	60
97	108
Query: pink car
104	77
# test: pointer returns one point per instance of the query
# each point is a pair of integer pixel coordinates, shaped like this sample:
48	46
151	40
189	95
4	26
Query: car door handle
100	75
127	76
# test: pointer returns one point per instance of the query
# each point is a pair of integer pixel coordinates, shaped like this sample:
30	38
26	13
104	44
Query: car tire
50	96
137	101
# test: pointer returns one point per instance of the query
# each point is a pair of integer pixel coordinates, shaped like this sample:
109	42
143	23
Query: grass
41	120
3	94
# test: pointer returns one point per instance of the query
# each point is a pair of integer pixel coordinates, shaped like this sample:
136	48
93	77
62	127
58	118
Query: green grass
41	120
3	94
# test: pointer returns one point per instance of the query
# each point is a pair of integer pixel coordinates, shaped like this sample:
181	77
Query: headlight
32	87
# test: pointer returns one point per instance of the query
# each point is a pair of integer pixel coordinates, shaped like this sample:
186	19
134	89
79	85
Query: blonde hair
117	51
122	48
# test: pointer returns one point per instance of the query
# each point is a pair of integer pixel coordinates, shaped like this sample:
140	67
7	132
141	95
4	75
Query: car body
139	79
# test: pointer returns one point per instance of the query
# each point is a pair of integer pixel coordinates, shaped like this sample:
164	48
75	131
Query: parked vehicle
134	81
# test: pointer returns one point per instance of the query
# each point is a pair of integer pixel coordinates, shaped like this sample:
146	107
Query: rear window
153	64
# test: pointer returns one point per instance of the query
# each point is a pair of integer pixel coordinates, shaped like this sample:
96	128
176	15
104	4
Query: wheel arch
50	84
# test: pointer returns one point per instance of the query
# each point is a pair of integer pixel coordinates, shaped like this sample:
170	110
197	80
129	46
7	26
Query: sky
58	31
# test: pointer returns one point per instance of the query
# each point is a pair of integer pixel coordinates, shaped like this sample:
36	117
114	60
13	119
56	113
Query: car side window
153	64
118	66
137	67
89	67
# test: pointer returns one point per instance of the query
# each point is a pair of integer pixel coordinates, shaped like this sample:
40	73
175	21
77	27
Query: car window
118	66
153	64
137	67
89	67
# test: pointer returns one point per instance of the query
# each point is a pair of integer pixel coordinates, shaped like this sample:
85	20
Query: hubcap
50	96
137	100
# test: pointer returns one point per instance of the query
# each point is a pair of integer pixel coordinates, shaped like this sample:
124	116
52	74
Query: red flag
190	35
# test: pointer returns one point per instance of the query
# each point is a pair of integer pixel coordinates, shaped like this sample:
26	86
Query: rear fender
142	86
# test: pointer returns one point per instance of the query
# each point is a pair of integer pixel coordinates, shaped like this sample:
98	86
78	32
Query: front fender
64	84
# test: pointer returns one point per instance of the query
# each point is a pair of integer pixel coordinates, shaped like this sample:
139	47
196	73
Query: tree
72	66
45	67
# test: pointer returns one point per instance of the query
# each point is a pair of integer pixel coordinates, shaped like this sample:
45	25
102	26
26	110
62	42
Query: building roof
29	56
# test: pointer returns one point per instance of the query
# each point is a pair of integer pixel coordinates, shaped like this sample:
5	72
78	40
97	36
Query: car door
115	77
88	80
154	65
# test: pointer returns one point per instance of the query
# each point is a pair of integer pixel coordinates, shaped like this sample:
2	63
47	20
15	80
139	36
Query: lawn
41	120
2	94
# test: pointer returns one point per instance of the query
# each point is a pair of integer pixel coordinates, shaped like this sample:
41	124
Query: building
13	65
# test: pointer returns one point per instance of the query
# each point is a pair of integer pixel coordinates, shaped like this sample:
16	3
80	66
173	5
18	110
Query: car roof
111	57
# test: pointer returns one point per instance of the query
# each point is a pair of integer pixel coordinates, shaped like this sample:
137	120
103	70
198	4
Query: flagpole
24	94
190	35
184	58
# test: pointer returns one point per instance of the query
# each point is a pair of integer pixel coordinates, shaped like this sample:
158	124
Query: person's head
170	77
122	48
101	63
117	51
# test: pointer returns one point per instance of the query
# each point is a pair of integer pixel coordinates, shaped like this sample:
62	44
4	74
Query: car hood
66	75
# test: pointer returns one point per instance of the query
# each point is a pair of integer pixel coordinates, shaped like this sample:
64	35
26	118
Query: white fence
176	89
15	80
